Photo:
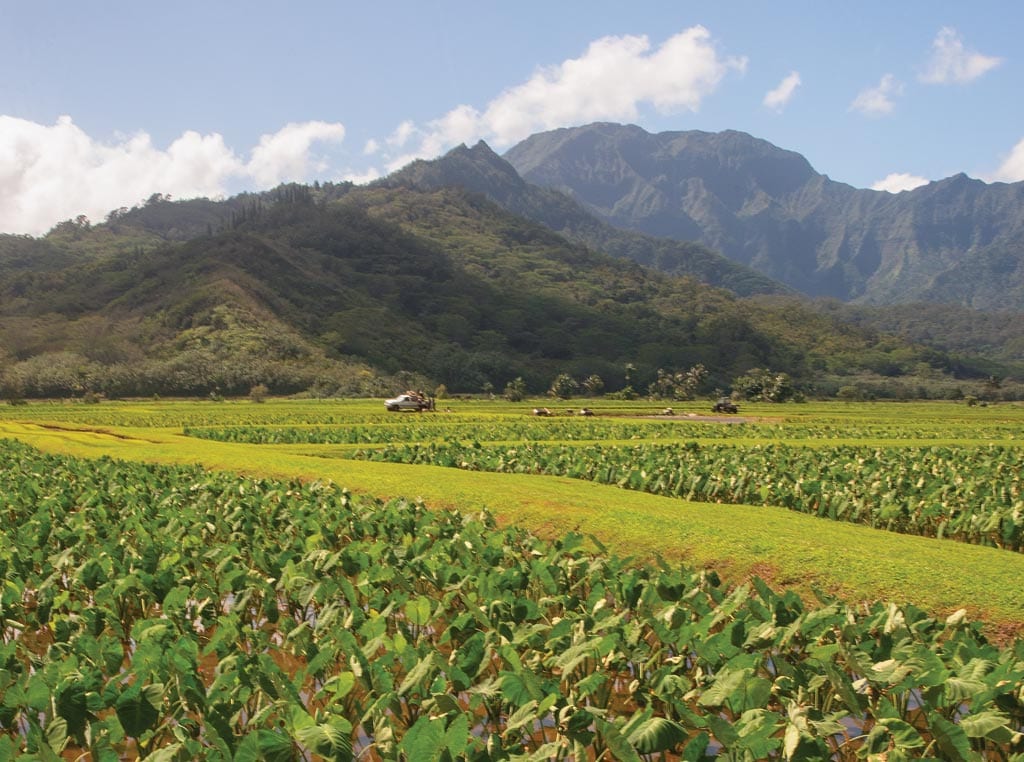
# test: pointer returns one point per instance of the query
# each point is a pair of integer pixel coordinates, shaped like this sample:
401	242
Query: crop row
434	428
971	494
421	428
176	614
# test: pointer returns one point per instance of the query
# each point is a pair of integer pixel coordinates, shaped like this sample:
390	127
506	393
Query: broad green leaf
137	708
656	735
423	668
950	738
524	715
265	746
167	753
331	740
418	610
457	736
988	724
620	748
57	733
694	751
424	741
904	735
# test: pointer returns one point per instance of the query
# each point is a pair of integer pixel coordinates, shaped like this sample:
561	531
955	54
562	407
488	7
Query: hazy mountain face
480	170
956	240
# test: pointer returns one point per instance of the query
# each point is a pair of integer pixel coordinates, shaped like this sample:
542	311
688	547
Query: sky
105	102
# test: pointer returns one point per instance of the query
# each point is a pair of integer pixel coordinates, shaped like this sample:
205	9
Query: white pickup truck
409	401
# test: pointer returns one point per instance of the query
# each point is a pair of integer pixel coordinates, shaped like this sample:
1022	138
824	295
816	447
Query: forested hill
339	290
956	240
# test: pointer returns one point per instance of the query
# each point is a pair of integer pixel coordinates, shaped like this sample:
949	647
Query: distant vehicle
409	401
725	405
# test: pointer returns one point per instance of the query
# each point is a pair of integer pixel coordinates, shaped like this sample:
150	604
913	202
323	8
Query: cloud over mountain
53	172
612	80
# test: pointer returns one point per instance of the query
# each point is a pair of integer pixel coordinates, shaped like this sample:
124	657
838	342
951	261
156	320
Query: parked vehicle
725	405
415	401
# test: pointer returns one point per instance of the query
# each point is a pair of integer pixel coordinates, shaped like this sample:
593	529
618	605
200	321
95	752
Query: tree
593	384
764	385
681	385
563	387
630	372
515	390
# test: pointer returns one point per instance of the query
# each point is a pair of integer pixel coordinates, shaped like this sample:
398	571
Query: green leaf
987	724
729	687
723	730
265	746
456	738
656	735
591	683
424	741
331	740
165	753
950	738
417	674
904	735
339	686
418	610
71	706
525	714
622	750
57	733
137	708
757	729
694	751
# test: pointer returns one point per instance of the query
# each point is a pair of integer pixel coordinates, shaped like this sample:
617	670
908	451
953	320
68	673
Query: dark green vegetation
333	290
177	614
957	240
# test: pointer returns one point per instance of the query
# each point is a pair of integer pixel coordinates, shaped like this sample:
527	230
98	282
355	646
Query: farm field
802	582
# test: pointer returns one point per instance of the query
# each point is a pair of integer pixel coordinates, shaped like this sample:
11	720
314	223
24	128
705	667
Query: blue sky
104	103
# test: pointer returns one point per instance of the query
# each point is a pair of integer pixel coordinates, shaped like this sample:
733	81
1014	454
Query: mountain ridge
766	207
479	169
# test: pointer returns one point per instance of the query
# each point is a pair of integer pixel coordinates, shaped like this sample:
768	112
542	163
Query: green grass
785	548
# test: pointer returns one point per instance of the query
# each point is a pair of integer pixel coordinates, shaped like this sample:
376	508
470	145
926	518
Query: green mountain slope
364	291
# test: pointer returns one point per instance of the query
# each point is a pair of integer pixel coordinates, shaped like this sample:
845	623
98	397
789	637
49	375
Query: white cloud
371	147
875	101
285	155
777	98
401	135
1012	168
952	62
899	181
53	172
611	80
361	178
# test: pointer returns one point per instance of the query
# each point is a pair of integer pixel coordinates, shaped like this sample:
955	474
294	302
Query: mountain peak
478	169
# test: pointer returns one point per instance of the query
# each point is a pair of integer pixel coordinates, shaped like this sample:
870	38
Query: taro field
321	580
